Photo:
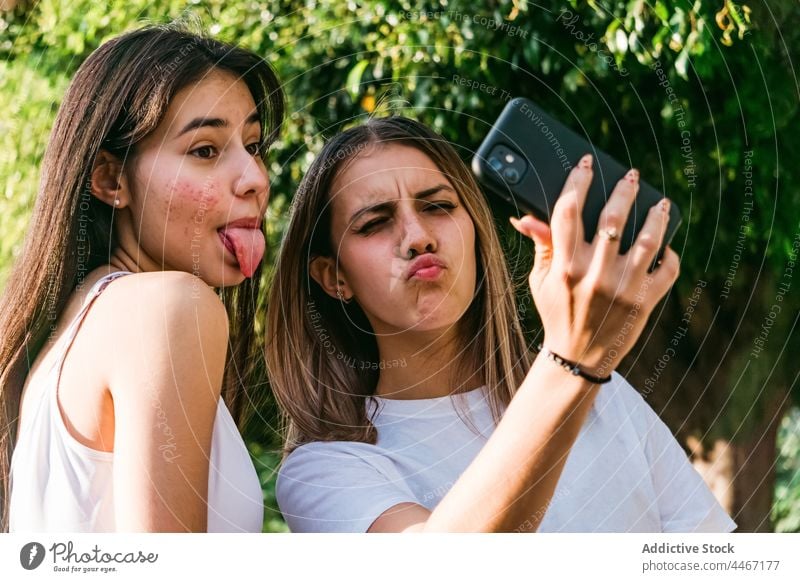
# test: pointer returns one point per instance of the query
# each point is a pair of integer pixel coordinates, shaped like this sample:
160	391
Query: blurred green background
702	96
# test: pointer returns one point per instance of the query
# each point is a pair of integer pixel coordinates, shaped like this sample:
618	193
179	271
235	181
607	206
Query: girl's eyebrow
199	122
390	204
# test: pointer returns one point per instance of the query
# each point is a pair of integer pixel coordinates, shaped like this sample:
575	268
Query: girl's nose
417	237
252	178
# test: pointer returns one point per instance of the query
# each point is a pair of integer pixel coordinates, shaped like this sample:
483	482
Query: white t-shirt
625	472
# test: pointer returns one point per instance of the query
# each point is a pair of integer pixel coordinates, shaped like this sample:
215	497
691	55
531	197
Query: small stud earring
340	295
116	201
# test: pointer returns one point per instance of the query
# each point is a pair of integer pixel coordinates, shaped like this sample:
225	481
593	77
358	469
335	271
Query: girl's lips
226	242
246	222
428	273
425	267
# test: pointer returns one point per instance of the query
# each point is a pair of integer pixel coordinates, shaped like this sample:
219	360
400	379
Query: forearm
510	483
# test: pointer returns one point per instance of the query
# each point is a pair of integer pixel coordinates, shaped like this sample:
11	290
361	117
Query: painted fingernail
586	161
632	176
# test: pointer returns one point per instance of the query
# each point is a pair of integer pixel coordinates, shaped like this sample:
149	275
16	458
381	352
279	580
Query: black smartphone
525	160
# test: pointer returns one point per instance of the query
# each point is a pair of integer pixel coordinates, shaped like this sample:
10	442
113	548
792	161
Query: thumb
540	232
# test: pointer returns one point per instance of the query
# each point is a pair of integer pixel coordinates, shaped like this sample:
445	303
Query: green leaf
661	12
354	78
681	64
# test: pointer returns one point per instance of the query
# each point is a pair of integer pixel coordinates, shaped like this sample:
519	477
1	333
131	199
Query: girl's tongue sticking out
248	246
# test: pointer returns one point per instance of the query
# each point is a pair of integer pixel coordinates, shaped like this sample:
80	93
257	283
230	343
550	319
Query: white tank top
60	485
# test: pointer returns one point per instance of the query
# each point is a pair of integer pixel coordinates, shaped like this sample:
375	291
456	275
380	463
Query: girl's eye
443	205
372	225
254	148
204	152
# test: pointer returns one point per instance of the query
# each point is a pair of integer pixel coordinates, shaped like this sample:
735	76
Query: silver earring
340	295
116	201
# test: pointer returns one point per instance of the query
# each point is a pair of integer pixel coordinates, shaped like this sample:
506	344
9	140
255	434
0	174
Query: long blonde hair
316	345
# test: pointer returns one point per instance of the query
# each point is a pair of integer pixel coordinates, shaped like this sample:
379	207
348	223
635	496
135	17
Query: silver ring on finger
609	233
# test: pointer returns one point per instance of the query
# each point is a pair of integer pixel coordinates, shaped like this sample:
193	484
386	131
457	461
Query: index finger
567	220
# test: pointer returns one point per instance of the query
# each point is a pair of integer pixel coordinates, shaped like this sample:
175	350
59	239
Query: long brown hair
316	346
118	96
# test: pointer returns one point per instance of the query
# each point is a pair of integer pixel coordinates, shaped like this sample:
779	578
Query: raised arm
593	304
165	383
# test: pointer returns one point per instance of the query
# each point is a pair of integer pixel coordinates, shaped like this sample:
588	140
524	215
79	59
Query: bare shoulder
165	297
167	332
168	320
165	382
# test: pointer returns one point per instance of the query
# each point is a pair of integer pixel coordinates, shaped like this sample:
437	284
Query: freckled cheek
191	203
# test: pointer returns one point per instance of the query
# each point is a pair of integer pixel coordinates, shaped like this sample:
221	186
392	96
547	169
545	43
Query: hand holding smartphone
526	157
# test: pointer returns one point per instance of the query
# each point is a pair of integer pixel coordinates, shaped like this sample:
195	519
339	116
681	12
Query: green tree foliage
785	512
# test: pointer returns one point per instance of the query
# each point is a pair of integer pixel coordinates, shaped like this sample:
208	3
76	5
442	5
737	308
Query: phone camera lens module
511	175
496	164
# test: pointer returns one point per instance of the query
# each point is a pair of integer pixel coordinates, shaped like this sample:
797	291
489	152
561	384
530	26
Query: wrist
596	374
593	360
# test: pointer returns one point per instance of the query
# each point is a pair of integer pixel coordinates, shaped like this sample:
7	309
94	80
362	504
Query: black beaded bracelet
572	367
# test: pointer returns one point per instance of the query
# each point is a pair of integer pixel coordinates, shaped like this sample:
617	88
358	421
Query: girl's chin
231	277
227	276
435	321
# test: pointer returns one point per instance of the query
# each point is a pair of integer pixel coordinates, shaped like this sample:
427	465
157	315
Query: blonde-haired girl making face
396	353
407	252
